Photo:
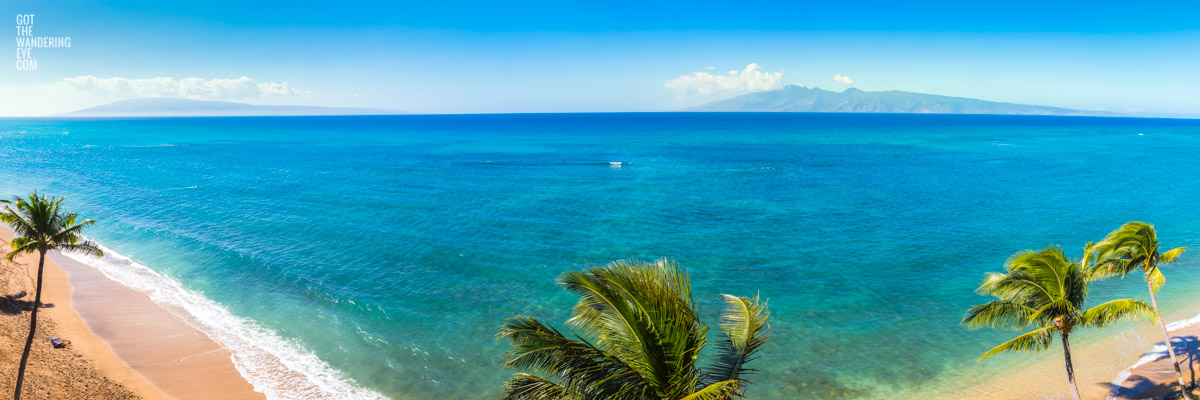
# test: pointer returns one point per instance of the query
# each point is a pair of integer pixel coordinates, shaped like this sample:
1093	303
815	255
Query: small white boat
614	163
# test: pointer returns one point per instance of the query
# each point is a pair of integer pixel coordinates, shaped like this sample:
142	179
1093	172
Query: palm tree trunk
37	301
1070	367
1170	347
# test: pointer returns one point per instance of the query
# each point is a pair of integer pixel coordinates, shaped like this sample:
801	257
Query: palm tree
1047	291
39	226
640	337
1131	247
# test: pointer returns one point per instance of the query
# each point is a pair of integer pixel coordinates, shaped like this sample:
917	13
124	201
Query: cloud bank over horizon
842	79
192	88
749	79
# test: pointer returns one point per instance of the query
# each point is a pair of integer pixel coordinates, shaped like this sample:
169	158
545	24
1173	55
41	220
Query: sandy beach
123	345
1102	367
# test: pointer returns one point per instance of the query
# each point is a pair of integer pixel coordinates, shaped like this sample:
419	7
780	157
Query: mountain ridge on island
794	98
178	107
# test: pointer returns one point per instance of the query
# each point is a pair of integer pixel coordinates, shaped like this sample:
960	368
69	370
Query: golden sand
123	345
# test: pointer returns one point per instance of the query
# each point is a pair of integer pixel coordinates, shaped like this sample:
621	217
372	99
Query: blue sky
563	56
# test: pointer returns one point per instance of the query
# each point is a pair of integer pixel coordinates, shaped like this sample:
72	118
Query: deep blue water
392	247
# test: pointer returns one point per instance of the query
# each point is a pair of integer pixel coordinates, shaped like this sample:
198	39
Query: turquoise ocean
361	257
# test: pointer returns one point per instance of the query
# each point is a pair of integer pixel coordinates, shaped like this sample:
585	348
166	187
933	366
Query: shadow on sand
1138	386
11	304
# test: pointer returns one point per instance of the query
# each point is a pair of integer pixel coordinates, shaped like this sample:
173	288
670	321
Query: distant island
800	99
176	107
789	99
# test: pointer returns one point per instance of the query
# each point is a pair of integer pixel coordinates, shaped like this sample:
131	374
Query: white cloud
736	82
282	89
845	80
197	88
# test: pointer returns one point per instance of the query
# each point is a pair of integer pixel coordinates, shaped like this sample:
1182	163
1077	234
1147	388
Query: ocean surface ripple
365	257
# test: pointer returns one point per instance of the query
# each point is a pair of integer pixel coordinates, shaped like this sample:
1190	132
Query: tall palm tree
639	338
1046	290
39	225
1135	246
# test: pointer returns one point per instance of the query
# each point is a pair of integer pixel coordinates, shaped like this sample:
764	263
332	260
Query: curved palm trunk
37	301
1170	347
1070	367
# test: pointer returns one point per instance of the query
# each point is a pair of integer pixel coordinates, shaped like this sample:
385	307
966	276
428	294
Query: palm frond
603	313
39	224
1036	340
1132	246
1044	289
1060	308
642	312
1016	285
71	230
21	247
577	364
717	391
1003	314
744	324
14	217
640	338
1105	268
1088	262
1048	268
1116	310
530	387
87	248
1155	278
1171	255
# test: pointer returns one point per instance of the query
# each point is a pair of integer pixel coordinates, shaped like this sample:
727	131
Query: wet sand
125	346
129	338
1154	376
176	357
1099	360
86	369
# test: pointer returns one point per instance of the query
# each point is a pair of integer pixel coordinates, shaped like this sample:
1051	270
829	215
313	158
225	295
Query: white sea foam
1183	323
1157	352
275	366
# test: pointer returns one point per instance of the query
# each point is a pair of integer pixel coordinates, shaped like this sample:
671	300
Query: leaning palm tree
39	225
1131	247
1045	290
639	338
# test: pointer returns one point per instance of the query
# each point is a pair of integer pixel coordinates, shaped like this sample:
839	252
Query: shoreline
1130	363
58	317
131	339
178	358
150	350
